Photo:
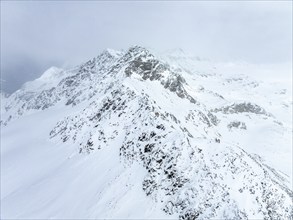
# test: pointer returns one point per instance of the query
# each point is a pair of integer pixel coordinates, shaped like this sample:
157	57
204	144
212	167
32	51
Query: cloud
35	35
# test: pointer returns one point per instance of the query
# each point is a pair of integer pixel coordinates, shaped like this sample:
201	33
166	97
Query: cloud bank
37	35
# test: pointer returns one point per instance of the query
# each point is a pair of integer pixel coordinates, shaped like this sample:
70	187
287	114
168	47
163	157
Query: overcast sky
38	34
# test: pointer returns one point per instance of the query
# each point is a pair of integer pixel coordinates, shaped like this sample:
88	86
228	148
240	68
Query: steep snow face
49	79
137	135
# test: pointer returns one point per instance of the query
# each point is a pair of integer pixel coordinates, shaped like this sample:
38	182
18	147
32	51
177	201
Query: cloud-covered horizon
37	35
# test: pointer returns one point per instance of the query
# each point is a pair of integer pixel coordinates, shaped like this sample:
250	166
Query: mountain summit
135	135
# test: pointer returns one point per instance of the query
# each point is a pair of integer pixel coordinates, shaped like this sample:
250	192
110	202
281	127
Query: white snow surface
132	135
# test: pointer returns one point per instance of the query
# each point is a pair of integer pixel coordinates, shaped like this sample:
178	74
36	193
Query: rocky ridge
192	171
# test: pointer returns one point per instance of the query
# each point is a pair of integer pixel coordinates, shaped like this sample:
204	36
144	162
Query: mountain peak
50	73
113	53
138	50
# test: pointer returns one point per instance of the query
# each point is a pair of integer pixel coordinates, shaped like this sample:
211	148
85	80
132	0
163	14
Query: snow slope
143	136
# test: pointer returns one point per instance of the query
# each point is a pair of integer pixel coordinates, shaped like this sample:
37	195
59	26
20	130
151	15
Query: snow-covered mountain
137	135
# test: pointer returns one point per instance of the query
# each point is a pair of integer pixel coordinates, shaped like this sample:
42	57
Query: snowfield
141	135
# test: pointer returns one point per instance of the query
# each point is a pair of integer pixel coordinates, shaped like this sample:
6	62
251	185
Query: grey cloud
35	34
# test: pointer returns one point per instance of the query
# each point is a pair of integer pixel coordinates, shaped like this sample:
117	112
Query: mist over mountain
37	35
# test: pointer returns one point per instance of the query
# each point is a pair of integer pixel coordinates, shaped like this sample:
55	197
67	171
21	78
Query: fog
38	34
